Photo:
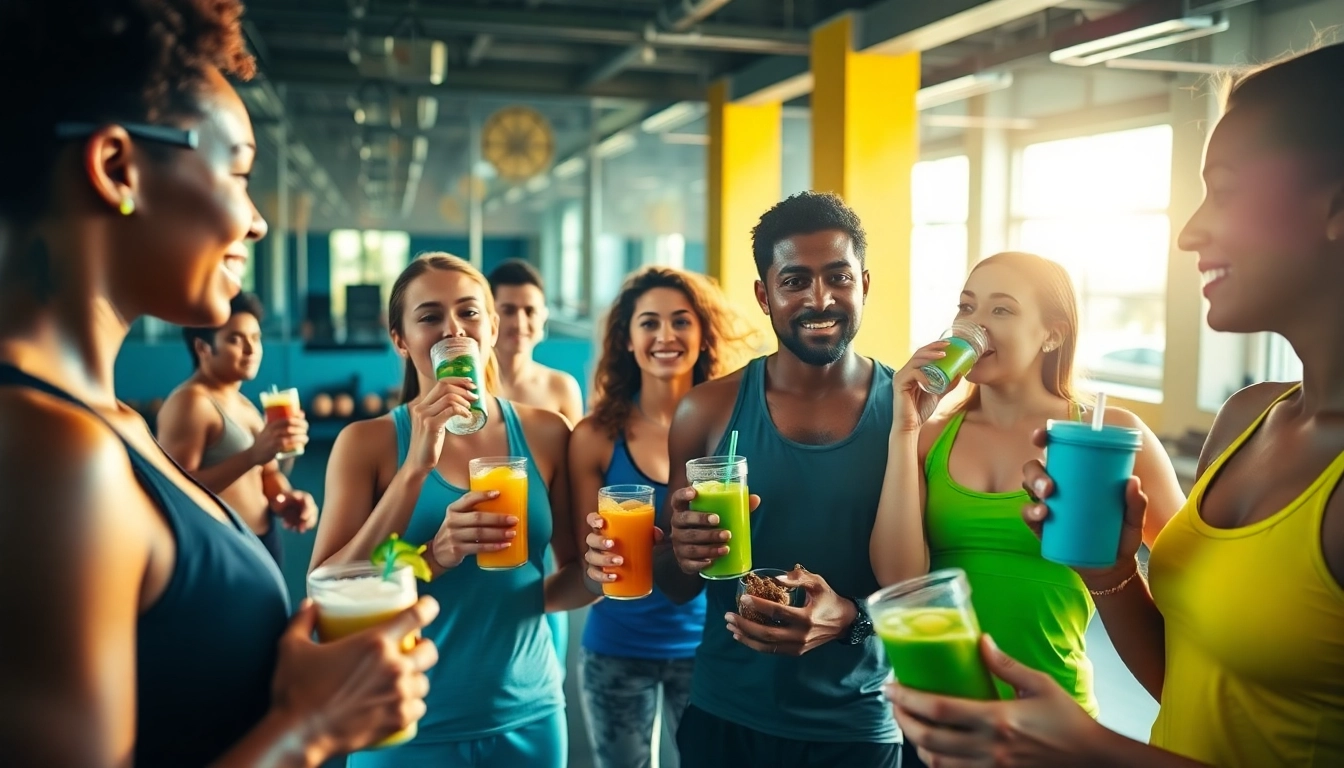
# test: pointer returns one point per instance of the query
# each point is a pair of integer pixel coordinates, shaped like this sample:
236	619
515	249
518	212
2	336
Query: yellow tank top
1254	633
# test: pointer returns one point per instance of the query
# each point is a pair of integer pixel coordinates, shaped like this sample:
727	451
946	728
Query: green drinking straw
732	454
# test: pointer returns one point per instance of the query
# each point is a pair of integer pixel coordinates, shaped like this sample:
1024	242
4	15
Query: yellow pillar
865	142
743	182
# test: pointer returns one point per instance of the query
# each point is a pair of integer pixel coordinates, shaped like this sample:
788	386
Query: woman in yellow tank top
1240	632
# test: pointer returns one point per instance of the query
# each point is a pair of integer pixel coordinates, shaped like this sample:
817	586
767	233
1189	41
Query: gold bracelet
1116	588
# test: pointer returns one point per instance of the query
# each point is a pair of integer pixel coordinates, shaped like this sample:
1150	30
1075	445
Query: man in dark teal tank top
813	422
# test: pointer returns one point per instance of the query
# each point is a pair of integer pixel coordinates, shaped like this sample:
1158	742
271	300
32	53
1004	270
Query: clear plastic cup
460	356
353	597
966	342
796	596
932	637
508	475
720	484
628	513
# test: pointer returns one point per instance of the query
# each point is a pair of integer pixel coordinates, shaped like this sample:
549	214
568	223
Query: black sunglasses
188	138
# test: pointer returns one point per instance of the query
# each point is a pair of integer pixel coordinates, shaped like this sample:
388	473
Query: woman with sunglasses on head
144	623
1239	628
667	331
497	698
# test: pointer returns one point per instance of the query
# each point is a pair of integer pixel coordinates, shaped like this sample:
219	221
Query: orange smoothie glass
283	404
508	475
627	511
353	597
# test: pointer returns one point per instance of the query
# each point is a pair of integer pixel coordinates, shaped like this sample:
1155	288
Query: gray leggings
620	703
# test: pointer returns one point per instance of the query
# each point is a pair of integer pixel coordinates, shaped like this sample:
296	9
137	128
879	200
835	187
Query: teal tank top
1036	610
497	667
818	505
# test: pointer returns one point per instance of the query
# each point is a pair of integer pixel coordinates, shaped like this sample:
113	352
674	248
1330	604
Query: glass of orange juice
508	475
282	404
627	511
352	597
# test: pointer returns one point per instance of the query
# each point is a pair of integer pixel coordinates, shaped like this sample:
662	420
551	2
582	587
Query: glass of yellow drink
352	597
508	475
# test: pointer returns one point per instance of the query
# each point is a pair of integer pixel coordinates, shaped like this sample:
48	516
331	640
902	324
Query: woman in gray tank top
218	435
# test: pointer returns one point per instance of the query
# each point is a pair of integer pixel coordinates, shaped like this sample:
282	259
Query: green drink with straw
720	484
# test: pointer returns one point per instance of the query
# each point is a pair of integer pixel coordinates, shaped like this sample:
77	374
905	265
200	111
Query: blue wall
146	371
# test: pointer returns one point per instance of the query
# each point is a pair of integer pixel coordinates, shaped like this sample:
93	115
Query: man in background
521	303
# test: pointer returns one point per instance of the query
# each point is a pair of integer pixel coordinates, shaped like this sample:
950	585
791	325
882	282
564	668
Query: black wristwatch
861	629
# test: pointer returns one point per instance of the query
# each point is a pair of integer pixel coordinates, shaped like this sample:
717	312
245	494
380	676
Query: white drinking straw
1100	412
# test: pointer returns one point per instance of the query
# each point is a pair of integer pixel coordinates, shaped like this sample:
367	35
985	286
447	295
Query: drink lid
1109	436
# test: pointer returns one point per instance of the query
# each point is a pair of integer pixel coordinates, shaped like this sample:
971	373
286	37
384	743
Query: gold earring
127	206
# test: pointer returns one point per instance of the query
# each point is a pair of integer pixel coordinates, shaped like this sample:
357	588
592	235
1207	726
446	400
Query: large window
571	258
940	191
1098	205
365	258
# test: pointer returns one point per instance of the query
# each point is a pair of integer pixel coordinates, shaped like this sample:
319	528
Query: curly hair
111	60
804	214
618	378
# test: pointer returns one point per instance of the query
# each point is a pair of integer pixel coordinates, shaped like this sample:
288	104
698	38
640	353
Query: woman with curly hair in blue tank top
667	331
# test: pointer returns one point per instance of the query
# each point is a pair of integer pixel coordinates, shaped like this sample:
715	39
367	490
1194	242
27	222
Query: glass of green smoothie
966	342
931	635
720	484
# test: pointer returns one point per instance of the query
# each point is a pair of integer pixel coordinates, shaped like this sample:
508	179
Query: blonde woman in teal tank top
952	495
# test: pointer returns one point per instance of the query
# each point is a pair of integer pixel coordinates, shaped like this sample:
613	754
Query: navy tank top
653	627
206	649
818	505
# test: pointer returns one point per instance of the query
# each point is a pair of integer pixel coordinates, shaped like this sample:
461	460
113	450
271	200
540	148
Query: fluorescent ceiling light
571	167
615	145
673	117
685	138
420	149
426	112
962	88
1138	40
538	183
1166	65
513	195
438	61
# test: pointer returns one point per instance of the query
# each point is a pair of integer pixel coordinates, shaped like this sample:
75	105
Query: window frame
1016	218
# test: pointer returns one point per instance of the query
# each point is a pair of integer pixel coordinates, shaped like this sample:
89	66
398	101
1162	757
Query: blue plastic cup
1090	469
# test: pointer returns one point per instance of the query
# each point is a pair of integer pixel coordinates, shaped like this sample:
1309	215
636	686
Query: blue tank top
497	667
206	649
653	627
818	505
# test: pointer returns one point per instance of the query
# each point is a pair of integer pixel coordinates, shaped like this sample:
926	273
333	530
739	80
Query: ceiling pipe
671	20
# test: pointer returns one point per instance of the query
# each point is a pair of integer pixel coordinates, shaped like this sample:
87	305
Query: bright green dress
1036	610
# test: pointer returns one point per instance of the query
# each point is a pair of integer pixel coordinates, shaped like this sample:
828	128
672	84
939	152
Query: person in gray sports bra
218	436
